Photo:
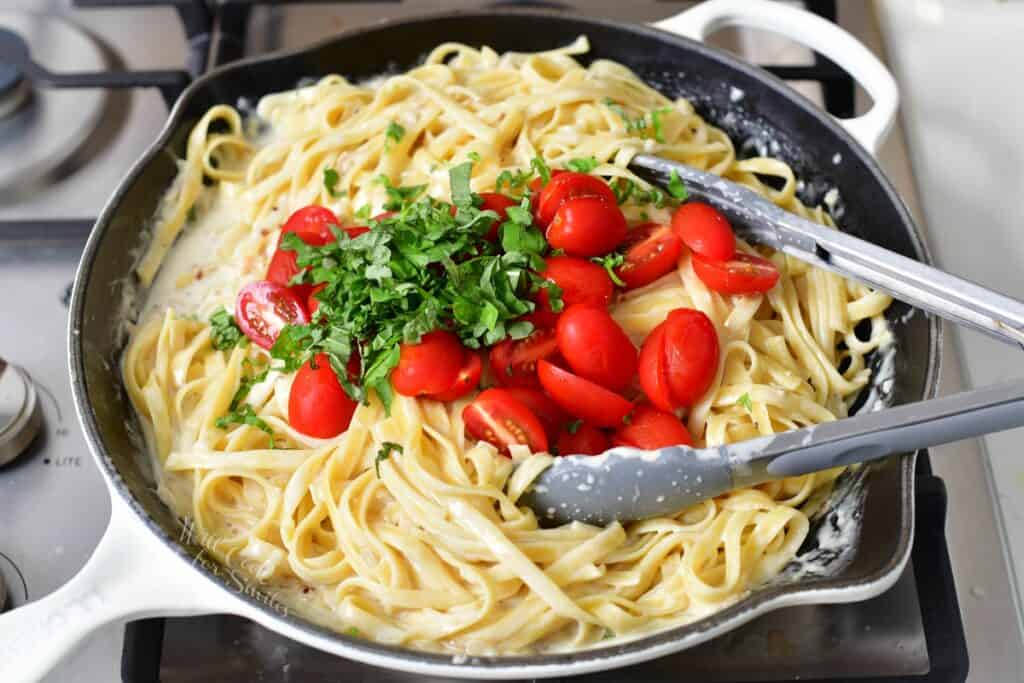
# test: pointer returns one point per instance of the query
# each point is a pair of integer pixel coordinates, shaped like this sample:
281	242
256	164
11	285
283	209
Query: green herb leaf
540	166
583	165
384	453
244	387
676	188
514	180
393	134
244	414
474	157
610	262
331	179
574	426
398	197
462	195
363	213
224	332
353	631
745	401
191	215
656	123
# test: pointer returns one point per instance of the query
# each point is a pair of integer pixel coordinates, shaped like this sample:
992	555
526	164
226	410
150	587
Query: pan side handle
130	575
823	36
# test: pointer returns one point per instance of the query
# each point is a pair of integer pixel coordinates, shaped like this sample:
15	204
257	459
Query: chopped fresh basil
384	453
676	188
224	332
540	166
574	426
583	165
245	415
656	123
474	157
745	401
393	134
462	195
610	262
331	181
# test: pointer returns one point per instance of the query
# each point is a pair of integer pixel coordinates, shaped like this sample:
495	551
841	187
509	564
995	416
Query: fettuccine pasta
427	548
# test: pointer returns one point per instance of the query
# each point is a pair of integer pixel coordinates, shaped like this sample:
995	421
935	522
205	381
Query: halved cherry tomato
497	417
318	405
541	319
312	225
263	308
595	346
537	185
467	380
546	410
587	226
313	303
679	359
743	274
586	440
514	362
581	397
704	230
649	428
565	186
651	251
498	203
581	282
429	367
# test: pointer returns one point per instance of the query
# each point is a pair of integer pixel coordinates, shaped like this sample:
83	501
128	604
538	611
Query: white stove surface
53	505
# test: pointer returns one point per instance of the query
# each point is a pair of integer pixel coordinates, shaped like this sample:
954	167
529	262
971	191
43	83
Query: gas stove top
63	152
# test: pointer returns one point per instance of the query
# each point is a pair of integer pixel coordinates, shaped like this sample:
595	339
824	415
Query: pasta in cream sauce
433	552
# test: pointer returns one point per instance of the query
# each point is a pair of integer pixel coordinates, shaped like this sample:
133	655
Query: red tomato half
652	250
497	417
586	440
565	186
498	203
587	226
743	274
263	308
514	362
704	230
318	405
581	282
679	359
650	428
467	380
430	367
595	346
312	225
581	397
313	303
546	410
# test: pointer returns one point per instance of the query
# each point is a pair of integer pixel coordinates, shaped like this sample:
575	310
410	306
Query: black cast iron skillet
876	502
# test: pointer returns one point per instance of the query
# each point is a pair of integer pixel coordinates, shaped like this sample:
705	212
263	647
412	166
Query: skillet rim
638	649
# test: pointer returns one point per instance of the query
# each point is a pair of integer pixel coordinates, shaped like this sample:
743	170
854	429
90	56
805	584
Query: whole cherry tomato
651	250
679	359
263	308
467	380
704	230
587	226
581	397
742	274
497	417
649	428
582	439
565	186
595	346
430	366
581	282
514	362
318	405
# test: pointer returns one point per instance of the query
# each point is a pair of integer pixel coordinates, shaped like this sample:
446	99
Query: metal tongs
625	484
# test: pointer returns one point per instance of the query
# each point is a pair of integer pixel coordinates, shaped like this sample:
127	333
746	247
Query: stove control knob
20	417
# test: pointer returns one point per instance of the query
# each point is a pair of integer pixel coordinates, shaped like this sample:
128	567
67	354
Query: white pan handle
821	35
131	575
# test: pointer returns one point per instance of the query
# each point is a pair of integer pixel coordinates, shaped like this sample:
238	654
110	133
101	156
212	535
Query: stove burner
42	129
13	89
20	417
